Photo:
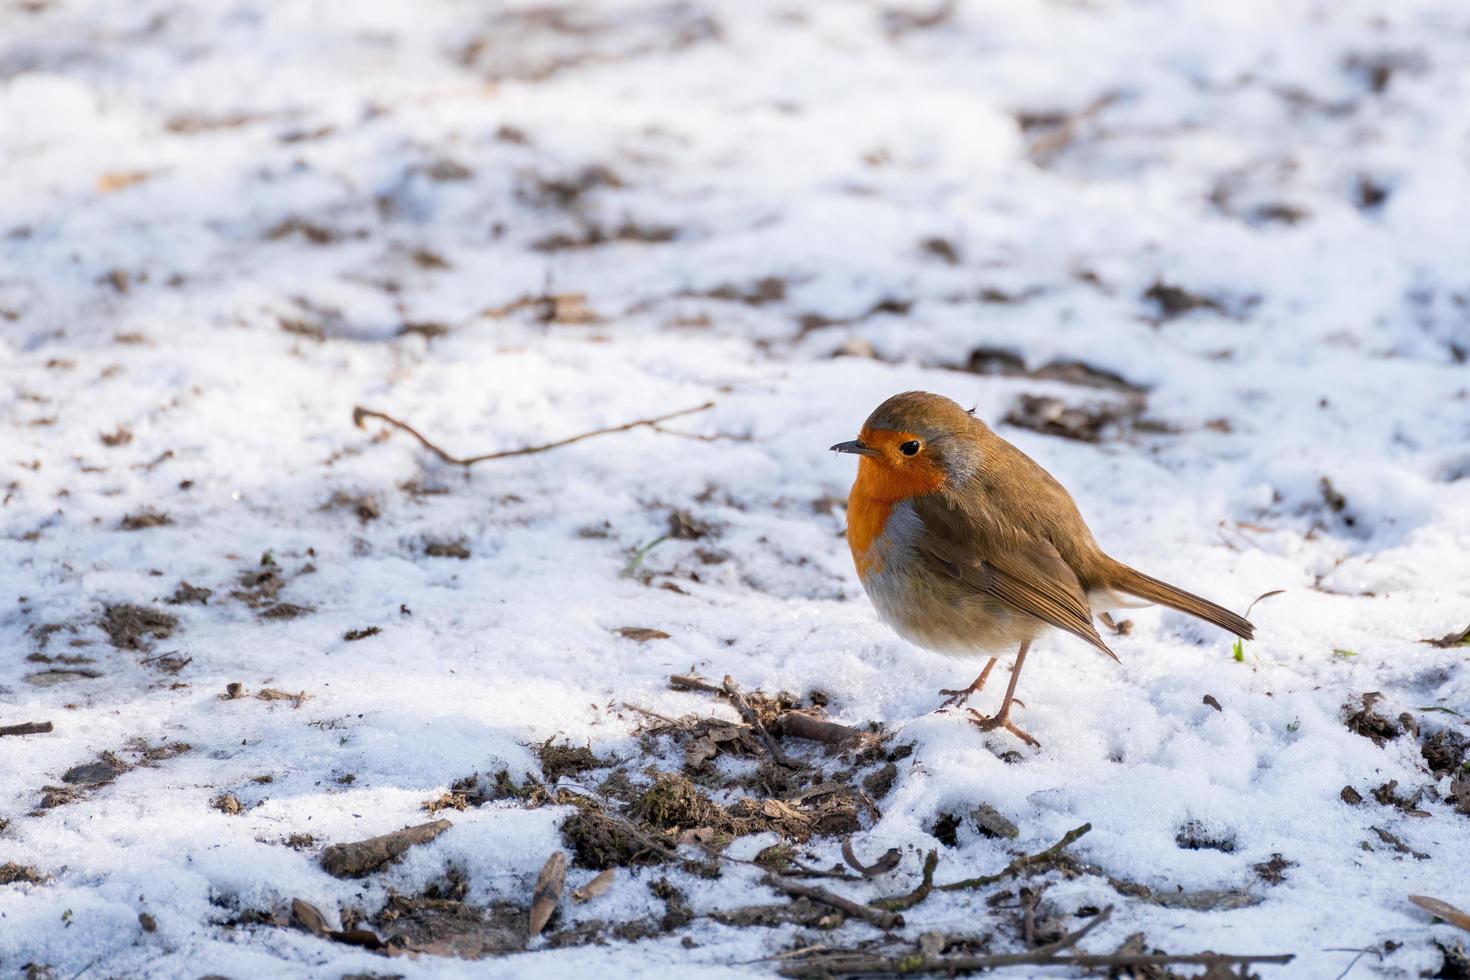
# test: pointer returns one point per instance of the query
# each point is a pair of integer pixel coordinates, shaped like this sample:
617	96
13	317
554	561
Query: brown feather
1121	578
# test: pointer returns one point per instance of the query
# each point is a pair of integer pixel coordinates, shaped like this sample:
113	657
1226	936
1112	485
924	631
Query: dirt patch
1171	302
260	587
447	549
11	873
566	760
130	627
227	803
1367	722
1196	836
593	235
452	927
1273	871
143	519
189	595
1089	422
598	841
1007	363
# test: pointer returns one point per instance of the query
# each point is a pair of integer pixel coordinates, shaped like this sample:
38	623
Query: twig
861	965
753	719
1073	938
689	682
799	724
360	857
671	722
639	554
1021	863
931	861
27	728
793	724
877	917
360	414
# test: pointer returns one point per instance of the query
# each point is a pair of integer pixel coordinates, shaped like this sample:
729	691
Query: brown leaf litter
259	587
1089	422
129	626
1367	722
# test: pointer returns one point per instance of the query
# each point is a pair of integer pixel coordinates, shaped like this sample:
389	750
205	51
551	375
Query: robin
966	546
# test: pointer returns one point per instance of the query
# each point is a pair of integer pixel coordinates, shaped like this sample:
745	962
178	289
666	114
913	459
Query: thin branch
1021	863
1073	938
753	719
360	414
689	682
797	724
877	917
931	861
788	724
27	728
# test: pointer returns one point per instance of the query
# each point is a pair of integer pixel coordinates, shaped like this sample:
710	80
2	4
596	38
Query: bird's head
915	443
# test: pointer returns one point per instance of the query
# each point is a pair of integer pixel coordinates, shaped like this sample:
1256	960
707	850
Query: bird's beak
855	446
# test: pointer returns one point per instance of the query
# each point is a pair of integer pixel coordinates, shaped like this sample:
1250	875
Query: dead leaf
307	916
1461	638
1443	910
1263	595
595	887
1210	700
547	894
116	180
641	634
272	694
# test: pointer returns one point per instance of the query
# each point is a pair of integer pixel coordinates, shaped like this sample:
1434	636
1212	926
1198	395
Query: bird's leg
960	696
1001	719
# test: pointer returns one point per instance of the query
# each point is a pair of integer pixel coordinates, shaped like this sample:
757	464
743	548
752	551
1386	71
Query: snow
816	144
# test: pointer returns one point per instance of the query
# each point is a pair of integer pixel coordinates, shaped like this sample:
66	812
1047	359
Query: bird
967	547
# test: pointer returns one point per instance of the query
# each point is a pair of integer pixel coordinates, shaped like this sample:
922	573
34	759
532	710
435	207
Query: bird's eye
909	448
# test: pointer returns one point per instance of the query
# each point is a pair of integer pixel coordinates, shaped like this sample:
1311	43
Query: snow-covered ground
224	225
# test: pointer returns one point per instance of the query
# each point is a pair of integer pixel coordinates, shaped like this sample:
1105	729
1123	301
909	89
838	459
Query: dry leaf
1263	595
308	917
116	180
699	751
642	634
595	887
1458	638
273	694
1210	700
547	894
1443	910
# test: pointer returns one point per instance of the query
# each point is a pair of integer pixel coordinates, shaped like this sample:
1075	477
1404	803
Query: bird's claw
1000	721
955	697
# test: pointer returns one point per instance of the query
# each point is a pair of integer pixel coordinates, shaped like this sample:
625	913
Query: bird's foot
953	698
1001	721
957	697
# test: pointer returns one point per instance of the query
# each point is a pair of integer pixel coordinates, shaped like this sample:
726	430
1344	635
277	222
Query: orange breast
866	518
878	487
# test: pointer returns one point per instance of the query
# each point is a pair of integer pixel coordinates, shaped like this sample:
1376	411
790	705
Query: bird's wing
1027	574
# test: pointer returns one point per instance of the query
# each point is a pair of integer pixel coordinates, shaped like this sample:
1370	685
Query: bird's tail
1124	579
